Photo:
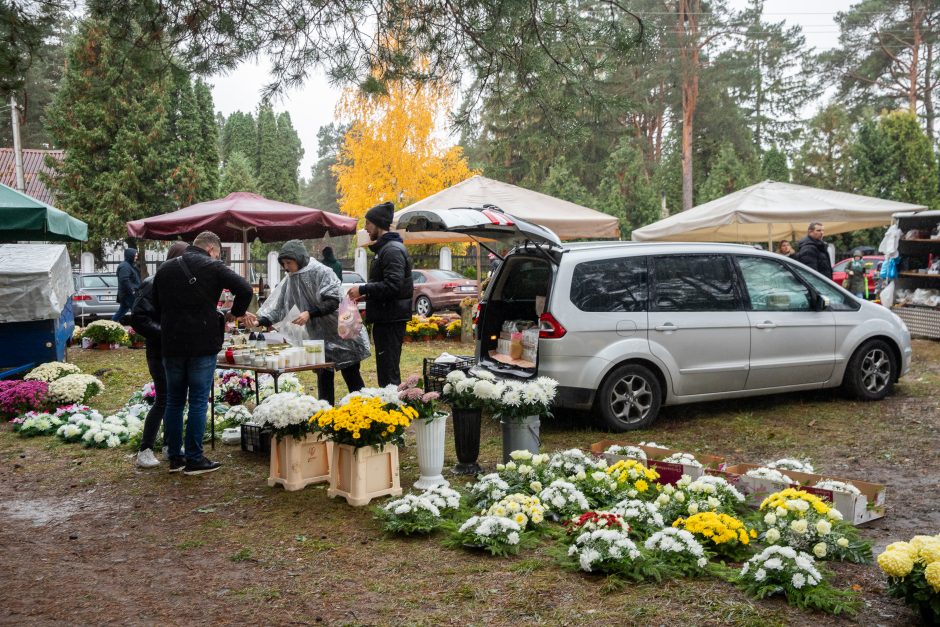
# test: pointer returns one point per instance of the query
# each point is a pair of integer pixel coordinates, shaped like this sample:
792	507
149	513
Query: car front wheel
629	398
871	371
423	306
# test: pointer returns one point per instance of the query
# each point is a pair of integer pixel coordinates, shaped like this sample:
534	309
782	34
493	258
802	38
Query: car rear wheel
629	398
871	371
423	306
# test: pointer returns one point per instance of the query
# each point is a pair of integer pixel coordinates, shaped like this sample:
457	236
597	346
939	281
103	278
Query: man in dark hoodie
813	252
388	292
331	262
146	321
128	284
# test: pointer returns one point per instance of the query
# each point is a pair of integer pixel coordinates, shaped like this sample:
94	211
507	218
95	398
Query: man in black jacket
186	291
813	252
128	284
388	292
146	321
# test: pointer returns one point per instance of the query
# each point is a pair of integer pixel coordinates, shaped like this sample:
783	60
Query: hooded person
331	262
314	289
856	281
388	293
146	321
128	284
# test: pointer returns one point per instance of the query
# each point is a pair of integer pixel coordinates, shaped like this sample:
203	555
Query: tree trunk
917	18
929	113
688	44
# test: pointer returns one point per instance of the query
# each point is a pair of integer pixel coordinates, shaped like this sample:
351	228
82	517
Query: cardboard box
869	505
668	471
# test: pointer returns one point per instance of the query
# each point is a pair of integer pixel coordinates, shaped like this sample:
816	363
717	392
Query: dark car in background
440	289
95	296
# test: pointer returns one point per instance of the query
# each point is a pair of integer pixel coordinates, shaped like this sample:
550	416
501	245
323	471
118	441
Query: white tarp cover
772	211
566	219
35	281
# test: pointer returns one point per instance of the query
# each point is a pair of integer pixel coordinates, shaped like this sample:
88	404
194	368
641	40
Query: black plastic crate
435	374
256	439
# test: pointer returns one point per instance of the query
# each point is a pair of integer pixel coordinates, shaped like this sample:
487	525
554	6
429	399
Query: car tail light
477	312
500	219
549	328
81	297
450	286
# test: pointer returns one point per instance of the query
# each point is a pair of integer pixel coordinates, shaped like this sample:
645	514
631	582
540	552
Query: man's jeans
187	378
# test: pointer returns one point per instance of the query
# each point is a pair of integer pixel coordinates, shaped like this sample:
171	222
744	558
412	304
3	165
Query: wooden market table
274	372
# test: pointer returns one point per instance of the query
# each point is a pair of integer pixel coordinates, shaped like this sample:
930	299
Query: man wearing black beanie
388	292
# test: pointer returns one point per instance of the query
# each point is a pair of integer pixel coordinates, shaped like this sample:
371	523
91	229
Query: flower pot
296	464
103	346
408	339
362	474
138	345
426	338
521	436
467	440
431	451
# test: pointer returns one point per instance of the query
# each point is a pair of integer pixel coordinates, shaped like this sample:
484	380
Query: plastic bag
349	322
294	334
887	295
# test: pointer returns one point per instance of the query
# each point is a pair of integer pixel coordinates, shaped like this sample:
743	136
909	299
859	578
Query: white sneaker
146	459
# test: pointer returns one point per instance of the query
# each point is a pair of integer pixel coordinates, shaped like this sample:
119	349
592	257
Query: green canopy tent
25	219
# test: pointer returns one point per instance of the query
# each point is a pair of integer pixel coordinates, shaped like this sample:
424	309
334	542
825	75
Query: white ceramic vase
430	436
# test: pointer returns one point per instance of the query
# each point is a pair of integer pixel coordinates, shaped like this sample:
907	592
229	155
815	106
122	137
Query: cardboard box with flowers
298	457
671	464
365	430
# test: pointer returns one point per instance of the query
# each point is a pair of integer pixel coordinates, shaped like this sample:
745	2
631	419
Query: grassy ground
98	541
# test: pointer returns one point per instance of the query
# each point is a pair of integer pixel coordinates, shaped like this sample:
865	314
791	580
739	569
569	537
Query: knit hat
381	215
294	249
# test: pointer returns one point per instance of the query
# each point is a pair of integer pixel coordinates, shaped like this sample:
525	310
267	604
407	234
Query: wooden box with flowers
365	428
298	457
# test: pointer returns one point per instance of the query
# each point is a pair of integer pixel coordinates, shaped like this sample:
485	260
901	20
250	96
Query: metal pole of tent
770	237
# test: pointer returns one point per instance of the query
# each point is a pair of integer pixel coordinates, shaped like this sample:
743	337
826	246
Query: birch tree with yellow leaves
392	151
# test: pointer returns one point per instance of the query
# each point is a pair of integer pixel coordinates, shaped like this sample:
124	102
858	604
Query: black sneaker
177	464
200	466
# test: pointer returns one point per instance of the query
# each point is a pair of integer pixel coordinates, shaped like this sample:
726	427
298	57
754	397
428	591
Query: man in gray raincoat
315	290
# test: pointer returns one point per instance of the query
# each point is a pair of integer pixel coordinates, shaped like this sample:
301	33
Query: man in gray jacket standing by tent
388	292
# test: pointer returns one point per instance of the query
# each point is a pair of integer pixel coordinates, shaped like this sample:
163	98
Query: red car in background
872	269
440	289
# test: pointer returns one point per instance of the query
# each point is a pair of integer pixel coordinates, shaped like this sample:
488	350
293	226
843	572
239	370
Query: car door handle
667	327
767	324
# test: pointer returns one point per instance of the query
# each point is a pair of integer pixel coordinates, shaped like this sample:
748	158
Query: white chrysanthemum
838	486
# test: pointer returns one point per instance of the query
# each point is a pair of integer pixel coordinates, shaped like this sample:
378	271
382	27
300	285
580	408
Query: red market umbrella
243	214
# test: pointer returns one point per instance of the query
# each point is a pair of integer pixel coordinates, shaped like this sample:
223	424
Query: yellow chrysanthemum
932	575
903	547
895	563
929	552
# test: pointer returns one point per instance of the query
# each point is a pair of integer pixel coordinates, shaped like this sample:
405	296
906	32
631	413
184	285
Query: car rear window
99	281
443	275
619	284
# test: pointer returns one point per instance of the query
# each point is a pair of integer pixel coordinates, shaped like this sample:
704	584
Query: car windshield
443	275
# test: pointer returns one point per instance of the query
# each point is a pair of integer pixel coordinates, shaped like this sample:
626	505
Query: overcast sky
313	105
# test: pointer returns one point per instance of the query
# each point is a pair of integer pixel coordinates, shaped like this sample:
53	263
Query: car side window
694	283
611	285
771	287
417	277
838	300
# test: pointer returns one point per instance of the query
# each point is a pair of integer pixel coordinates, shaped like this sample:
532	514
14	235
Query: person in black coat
813	252
387	294
128	284
145	321
186	291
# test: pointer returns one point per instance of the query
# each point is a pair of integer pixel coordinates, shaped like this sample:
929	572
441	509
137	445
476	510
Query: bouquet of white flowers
769	474
287	382
805	522
37	423
236	415
471	392
678	550
838	486
77	419
644	517
601	489
563	499
496	534
686	459
74	388
783	570
388	394
573	464
524	472
799	465
525	510
288	413
520	400
604	550
706	494
617	452
422	513
487	490
51	371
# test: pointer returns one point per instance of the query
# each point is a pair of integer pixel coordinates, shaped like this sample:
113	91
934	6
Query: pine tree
626	190
824	158
208	149
895	160
109	114
237	175
187	176
774	166
320	191
290	153
267	155
561	183
728	174
240	134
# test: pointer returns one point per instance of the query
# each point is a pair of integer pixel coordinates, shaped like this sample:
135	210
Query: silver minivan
626	328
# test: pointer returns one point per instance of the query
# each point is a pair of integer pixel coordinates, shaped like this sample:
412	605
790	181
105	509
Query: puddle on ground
40	512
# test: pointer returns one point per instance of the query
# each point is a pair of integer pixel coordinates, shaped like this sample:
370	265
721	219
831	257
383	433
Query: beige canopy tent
772	211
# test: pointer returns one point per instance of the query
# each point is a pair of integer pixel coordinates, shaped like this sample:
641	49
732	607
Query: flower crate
296	463
436	372
256	439
855	509
668	471
362	474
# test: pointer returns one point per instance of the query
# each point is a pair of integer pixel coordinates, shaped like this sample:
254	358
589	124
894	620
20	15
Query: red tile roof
33	164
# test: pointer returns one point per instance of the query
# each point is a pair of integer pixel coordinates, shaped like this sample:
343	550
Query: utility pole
17	148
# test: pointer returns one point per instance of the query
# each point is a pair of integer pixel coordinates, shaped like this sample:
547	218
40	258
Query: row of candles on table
312	353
